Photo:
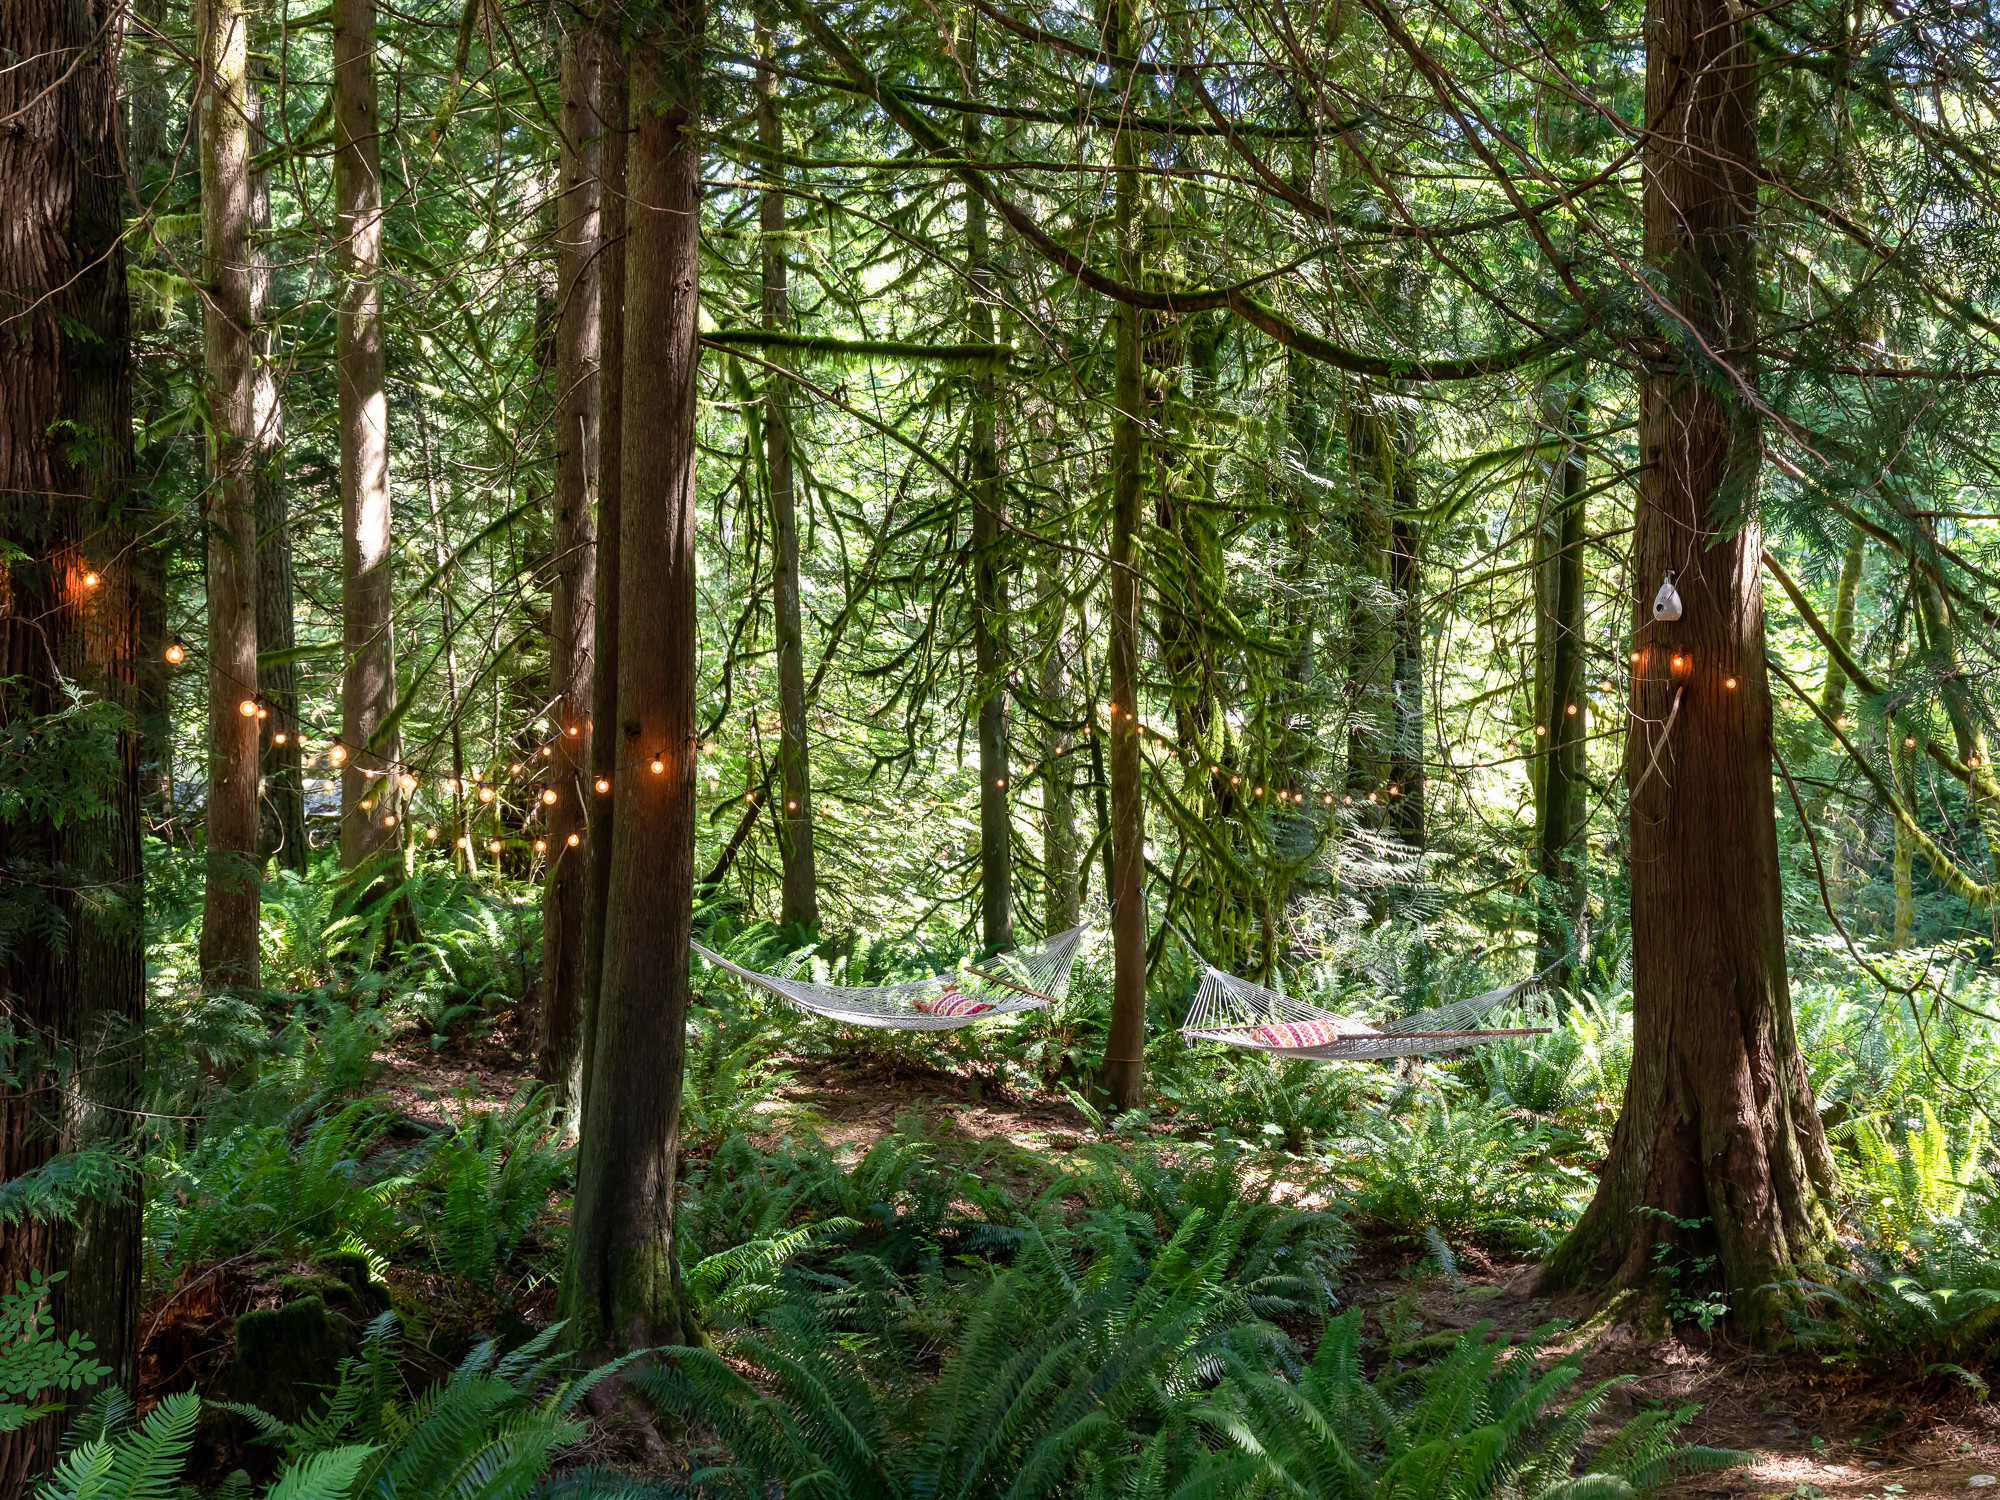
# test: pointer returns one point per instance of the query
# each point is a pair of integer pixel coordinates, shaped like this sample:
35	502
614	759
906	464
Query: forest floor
1819	1433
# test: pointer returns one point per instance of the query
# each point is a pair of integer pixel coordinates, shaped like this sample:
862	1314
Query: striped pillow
952	1001
1290	1034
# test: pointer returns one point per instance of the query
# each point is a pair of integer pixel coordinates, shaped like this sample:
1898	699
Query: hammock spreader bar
1027	978
1241	1014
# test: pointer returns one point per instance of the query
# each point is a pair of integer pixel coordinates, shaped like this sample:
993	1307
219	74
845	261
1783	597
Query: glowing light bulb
90	580
574	839
541	846
247	708
749	796
1328	799
1395	791
1571	709
1677	663
1909	743
407	782
486	794
603	784
430	833
1730	683
1371	796
574	731
493	845
1348	799
278	738
464	842
548	750
1541	729
1002	781
791	806
338	753
263	712
1636	655
175	653
367	804
389	820
1260	791
549	796
515	769
1213	769
659	766
1841	722
1236	781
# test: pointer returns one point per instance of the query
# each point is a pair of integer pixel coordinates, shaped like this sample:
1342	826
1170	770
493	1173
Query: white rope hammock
1242	1014
1027	978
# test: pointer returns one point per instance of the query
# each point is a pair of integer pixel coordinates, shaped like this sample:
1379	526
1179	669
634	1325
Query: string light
1677	663
407	782
575	839
659	766
574	731
1730	683
367	804
1395	791
1909	743
549	796
464	842
493	846
176	652
247	708
515	769
263	712
1541	729
389	820
1841	722
1371	796
278	738
1001	782
1328	799
603	784
430	833
541	846
791	807
1571	709
90	580
338	753
486	794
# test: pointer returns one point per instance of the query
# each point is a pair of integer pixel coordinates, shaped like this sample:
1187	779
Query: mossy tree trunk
1559	822
367	576
573	589
799	899
622	1290
605	740
1718	1129
231	826
1123	1080
71	974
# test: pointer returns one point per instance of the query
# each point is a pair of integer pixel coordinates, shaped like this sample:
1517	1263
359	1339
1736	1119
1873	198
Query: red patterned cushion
952	1001
1295	1034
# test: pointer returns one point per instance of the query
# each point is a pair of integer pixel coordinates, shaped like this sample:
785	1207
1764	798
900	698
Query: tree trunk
799	902
1562	707
1060	895
1124	1047
579	428
282	786
1718	1128
1371	633
230	904
1406	675
623	1289
367	601
989	578
72	974
610	489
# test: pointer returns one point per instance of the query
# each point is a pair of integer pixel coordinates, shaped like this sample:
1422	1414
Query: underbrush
1160	1309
